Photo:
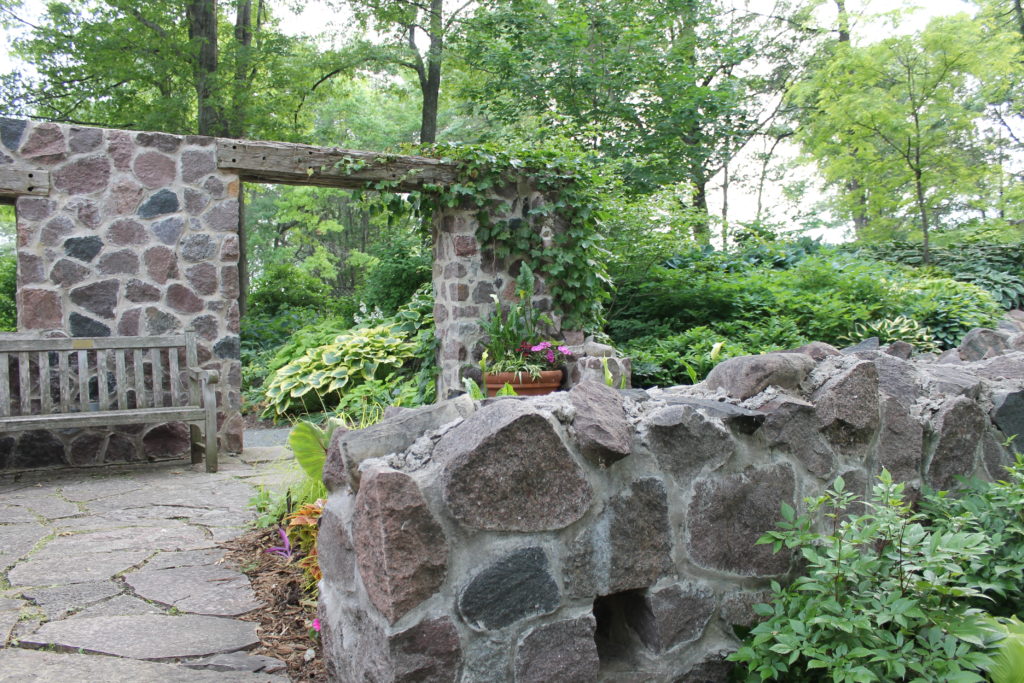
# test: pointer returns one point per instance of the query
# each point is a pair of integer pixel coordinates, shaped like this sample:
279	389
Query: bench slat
102	386
158	378
5	384
192	361
120	379
76	343
24	383
65	382
174	371
45	397
139	373
101	419
83	381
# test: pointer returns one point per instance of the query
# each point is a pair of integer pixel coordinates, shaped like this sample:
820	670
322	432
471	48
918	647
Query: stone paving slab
185	558
147	636
212	590
17	539
171	535
102	557
31	666
56	570
119	606
59	601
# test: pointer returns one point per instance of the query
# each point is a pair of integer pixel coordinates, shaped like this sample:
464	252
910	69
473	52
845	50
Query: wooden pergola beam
294	164
16	182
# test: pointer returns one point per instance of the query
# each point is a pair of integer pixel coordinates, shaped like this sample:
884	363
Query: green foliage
283	287
772	297
883	597
1008	663
308	442
512	325
996	268
401	266
996	511
8	289
899	328
572	264
357	371
318	377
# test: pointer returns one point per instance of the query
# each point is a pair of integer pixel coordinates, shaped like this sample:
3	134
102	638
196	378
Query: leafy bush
996	268
763	304
284	287
996	511
315	380
402	266
8	291
884	597
358	371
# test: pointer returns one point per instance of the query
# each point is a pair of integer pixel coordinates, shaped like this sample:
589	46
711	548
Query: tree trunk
844	22
702	221
923	210
202	34
431	84
235	122
1018	14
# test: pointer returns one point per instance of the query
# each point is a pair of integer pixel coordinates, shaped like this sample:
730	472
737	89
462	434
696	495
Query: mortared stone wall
599	534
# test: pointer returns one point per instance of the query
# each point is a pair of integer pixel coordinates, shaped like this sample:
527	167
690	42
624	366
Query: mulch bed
284	621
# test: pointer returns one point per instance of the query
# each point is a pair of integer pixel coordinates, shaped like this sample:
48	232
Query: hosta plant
315	380
895	329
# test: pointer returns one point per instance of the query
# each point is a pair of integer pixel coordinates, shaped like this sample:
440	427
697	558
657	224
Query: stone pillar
467	275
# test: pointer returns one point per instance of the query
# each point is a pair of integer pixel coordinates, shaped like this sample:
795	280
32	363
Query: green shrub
402	266
8	291
996	511
883	597
996	268
949	309
285	287
895	329
357	371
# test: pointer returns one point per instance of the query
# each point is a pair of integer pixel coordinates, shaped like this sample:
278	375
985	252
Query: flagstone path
115	575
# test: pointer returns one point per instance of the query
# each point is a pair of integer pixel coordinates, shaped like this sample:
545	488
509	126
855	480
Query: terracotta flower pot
549	381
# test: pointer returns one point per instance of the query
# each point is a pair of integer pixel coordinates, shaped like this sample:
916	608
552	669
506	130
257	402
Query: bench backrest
45	376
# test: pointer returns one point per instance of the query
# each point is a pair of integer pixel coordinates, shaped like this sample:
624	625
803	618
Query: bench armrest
207	376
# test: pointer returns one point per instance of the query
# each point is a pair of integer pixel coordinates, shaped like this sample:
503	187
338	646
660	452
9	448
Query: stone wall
137	236
599	534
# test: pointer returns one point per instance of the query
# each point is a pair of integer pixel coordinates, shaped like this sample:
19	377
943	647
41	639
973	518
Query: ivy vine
572	265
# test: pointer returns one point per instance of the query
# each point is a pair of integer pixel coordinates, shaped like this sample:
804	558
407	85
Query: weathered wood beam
15	182
293	164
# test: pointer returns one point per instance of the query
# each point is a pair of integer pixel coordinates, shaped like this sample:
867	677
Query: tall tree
673	88
415	37
894	124
182	67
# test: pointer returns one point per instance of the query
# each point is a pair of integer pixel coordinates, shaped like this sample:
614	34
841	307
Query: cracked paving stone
31	666
17	539
211	590
185	558
59	601
17	514
171	535
57	570
119	606
147	636
92	489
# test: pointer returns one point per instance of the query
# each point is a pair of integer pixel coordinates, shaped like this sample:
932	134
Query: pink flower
541	346
564	350
551	356
316	625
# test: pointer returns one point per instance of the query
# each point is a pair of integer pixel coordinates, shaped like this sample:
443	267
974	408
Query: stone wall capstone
599	534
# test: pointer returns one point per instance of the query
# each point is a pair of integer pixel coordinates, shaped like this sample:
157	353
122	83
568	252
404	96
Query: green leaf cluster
885	595
572	263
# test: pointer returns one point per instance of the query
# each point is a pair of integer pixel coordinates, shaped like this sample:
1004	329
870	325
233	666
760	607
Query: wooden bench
108	381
